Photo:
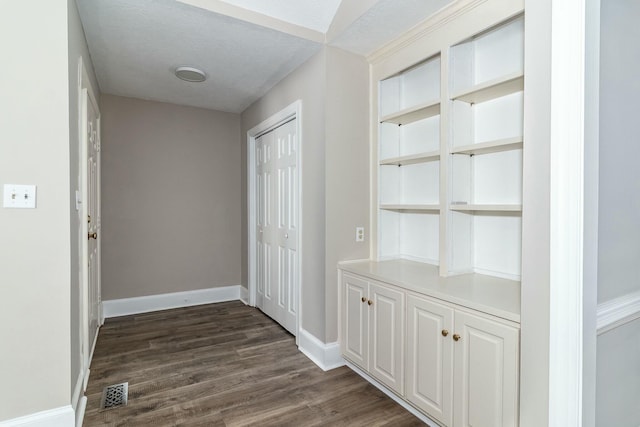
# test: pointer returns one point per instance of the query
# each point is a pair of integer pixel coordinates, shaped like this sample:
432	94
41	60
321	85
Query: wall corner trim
244	295
617	312
326	356
146	304
58	417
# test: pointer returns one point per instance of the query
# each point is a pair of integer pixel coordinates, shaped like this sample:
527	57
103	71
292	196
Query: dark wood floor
224	365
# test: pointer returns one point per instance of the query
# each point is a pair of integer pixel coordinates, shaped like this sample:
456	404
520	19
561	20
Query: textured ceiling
314	14
135	46
385	21
244	46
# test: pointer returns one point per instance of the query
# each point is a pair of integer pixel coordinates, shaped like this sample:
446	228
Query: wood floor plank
224	365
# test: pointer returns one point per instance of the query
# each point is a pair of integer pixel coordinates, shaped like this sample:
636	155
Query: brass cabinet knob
363	299
456	337
445	332
369	302
93	235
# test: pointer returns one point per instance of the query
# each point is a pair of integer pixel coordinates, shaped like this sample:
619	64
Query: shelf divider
486	208
502	86
408	207
413	114
489	146
411	159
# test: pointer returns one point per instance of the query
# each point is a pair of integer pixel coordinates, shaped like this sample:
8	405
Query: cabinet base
422	417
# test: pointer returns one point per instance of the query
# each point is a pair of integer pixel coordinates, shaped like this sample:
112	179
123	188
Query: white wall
35	244
618	351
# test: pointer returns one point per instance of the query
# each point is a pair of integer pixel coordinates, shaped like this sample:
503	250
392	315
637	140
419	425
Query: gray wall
618	351
171	189
77	49
34	243
619	198
347	170
334	89
618	378
308	84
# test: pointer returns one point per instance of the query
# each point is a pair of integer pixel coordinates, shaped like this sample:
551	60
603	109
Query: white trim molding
618	311
244	295
128	306
567	212
326	356
58	417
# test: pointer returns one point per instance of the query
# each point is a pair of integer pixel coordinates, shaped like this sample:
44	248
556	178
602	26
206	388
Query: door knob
445	332
369	302
363	299
456	337
93	235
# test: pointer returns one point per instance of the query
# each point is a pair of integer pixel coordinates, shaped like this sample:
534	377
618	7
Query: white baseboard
82	406
617	312
128	306
58	417
422	417
326	356
244	295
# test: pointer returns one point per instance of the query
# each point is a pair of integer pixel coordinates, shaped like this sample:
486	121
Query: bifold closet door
277	224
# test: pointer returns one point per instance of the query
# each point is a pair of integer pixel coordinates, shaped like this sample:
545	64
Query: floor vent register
114	396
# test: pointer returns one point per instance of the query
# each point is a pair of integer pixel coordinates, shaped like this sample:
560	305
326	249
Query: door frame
291	112
86	95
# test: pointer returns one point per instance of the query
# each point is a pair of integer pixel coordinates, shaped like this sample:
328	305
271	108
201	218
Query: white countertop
488	294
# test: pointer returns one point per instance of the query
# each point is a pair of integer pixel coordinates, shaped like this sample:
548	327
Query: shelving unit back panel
497	245
493	54
500	51
409	235
420	84
487	243
499	118
390	95
497	178
417	137
420	136
411	184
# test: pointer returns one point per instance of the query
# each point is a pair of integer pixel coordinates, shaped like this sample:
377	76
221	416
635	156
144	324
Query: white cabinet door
486	372
355	331
429	358
386	322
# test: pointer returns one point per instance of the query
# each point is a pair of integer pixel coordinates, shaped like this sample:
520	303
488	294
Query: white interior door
90	216
277	224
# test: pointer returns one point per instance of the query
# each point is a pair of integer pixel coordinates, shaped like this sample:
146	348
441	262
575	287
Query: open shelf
413	114
406	207
489	146
412	159
486	208
492	89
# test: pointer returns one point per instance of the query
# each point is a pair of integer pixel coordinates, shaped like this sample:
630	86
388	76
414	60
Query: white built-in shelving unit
449	178
409	163
434	315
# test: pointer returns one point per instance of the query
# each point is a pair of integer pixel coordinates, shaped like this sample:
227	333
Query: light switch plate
19	196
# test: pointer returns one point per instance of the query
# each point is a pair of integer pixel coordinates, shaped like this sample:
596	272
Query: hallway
224	365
